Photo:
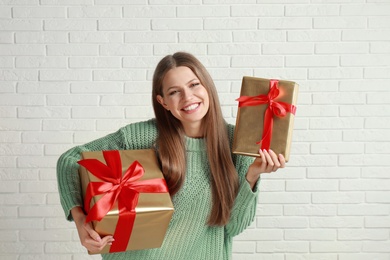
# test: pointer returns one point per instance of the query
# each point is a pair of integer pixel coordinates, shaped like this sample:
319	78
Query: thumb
92	233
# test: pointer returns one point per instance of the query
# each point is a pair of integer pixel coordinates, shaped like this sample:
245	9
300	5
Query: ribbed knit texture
188	236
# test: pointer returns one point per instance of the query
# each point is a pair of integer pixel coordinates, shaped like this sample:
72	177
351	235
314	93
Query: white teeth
190	107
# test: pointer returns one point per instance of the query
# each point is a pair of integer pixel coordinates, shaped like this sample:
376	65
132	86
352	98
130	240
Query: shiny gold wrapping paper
153	211
250	119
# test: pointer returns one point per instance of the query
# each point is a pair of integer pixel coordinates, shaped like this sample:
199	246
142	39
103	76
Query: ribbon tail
265	141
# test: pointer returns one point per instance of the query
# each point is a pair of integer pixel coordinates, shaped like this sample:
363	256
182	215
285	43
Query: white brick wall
72	71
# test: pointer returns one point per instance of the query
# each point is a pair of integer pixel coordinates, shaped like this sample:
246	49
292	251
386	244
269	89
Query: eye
173	92
195	84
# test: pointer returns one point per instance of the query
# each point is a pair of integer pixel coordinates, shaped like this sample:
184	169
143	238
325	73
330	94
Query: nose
186	94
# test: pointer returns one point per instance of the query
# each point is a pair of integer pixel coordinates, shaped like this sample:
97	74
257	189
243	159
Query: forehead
178	76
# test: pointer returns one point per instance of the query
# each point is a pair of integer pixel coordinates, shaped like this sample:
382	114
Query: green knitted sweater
188	236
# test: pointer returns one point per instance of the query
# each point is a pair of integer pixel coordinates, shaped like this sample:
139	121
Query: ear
160	100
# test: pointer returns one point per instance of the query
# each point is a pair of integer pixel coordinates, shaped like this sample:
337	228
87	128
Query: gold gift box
153	211
250	119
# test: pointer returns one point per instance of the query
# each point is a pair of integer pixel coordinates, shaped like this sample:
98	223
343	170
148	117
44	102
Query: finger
275	159
92	233
268	158
282	161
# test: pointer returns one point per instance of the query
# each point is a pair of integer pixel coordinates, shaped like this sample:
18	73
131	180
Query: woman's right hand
89	238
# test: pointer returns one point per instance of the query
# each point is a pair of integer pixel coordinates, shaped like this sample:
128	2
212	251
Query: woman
213	191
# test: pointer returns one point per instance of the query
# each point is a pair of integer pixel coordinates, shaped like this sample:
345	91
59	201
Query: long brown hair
171	144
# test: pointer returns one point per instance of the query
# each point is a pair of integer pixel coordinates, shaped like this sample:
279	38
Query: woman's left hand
267	162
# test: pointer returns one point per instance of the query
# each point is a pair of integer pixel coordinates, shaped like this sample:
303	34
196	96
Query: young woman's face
185	97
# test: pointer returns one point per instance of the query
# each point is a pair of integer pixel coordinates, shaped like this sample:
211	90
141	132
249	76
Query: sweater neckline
195	144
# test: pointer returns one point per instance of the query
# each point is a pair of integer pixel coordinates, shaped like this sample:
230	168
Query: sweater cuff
72	200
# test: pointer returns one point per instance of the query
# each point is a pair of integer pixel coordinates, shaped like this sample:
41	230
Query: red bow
115	187
276	108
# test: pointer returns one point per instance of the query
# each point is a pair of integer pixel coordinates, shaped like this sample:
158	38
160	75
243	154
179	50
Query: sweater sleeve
68	179
244	209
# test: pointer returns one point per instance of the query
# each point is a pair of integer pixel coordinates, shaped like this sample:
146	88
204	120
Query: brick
257	10
140	62
365	135
245	61
21	149
97	112
43	87
41	37
313	36
334	172
244	247
22	49
377	73
43	112
378	197
40	211
72	50
70	25
174	2
284	198
364	85
311	10
124	24
94	12
364	210
62	247
46	137
20	25
380	47
259	36
378	22
287	48
84	137
149	11
40	62
18	75
364	9
283	247
378	98
143	112
38	186
6	37
366	35
363	256
94	62
119	2
309	210
375	172
230	23
312	256
312	61
293	74
19	125
39	12
37	161
8	236
337	197
21	247
310	234
115	75
95	37
126	100
232	49
378	147
164	24
376	246
312	185
364	110
337	123
313	160
335	73
96	87
368	60
316	135
21	199
336	22
18	174
6	62
8	112
285	23
68	125
364	185
342	47
125	50
152	36
335	246
195	49
9	187
49	75
269	210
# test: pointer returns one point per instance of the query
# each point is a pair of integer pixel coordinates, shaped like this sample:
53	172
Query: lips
191	107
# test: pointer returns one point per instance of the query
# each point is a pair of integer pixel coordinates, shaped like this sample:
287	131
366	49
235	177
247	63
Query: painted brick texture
72	71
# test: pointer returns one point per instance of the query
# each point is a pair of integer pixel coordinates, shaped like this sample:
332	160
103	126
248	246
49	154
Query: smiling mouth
191	107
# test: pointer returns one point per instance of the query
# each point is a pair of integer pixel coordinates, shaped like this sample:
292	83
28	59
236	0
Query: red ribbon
115	187
276	108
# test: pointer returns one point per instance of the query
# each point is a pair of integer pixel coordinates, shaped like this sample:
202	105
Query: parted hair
171	141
